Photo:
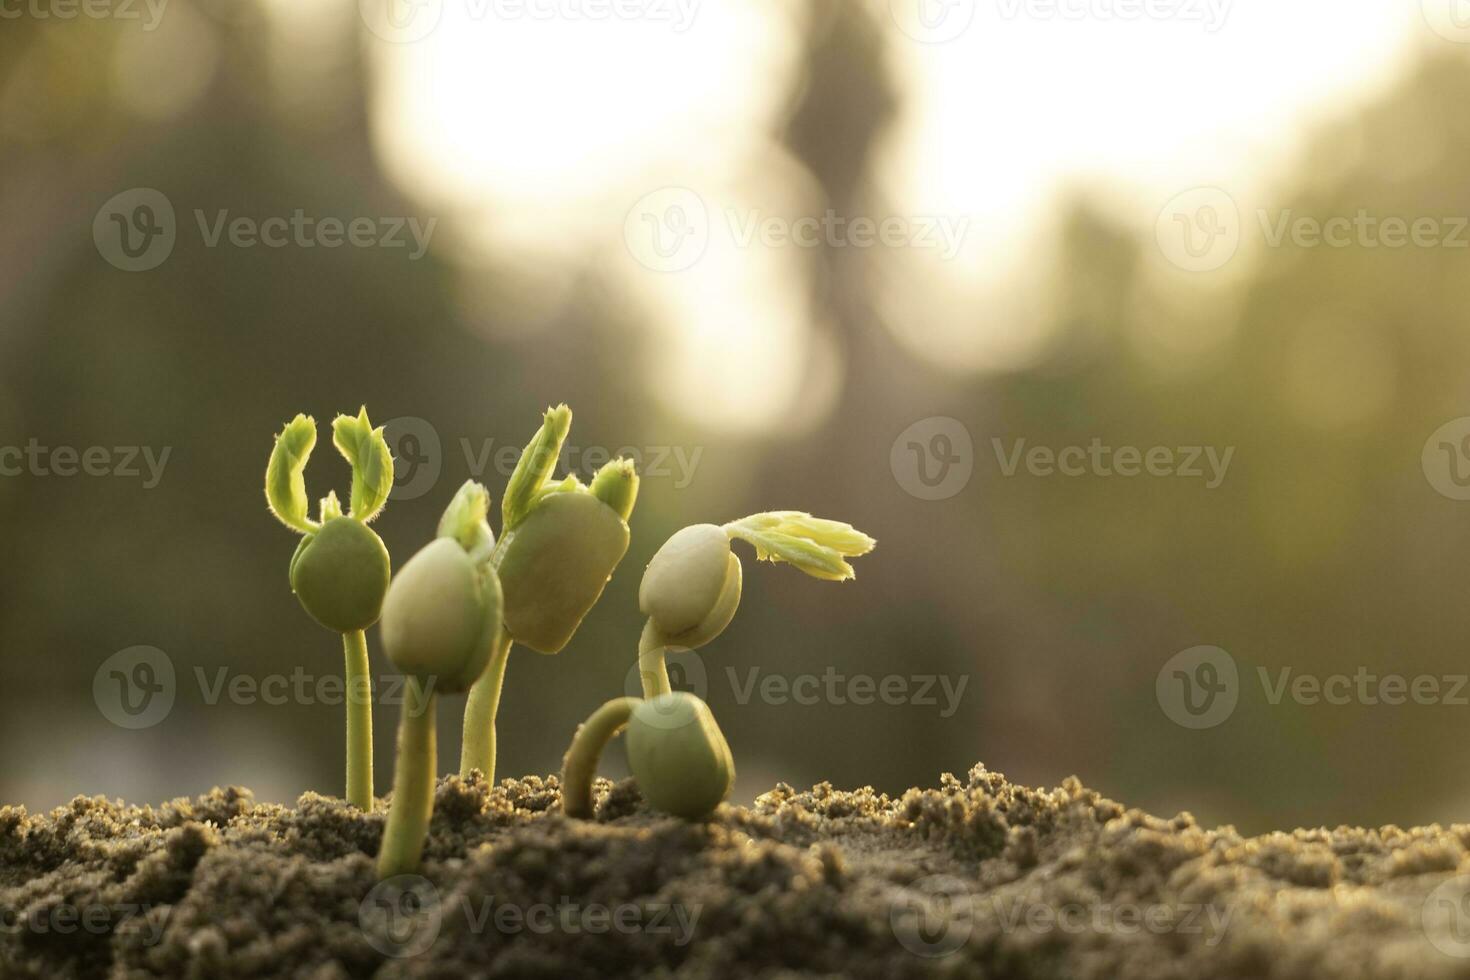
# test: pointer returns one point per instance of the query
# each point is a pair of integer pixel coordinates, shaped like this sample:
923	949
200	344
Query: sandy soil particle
975	878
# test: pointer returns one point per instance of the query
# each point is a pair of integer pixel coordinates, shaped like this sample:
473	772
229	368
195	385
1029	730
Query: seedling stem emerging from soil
340	570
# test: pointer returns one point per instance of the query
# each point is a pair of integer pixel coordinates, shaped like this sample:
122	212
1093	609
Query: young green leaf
535	466
465	521
616	485
372	464
285	482
814	545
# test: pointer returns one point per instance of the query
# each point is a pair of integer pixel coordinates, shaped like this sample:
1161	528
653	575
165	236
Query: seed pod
554	564
441	616
340	574
679	756
692	586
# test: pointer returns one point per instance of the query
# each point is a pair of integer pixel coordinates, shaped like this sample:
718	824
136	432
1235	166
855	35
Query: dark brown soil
978	877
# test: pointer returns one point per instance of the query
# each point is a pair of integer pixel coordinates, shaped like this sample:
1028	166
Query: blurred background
883	261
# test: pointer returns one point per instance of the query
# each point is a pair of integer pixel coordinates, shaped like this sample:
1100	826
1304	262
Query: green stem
580	763
359	721
478	747
413	783
651	667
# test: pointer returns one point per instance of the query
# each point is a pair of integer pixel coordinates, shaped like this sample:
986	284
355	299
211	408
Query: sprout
689	593
692	586
340	570
442	624
675	749
559	545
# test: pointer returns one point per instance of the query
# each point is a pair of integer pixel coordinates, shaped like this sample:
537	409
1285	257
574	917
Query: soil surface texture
975	878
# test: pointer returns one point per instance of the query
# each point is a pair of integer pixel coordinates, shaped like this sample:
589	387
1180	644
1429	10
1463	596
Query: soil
975	878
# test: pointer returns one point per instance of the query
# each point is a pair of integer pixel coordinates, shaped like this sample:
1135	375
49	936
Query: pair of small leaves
360	444
616	484
815	545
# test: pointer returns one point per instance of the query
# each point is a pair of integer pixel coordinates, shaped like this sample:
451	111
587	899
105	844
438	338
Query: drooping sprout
340	570
689	593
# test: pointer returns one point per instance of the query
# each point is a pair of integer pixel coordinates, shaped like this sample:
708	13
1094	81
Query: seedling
689	593
442	621
340	570
559	544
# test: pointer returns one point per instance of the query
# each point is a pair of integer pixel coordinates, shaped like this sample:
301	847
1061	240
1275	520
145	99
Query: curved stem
579	765
359	721
478	748
651	667
413	783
